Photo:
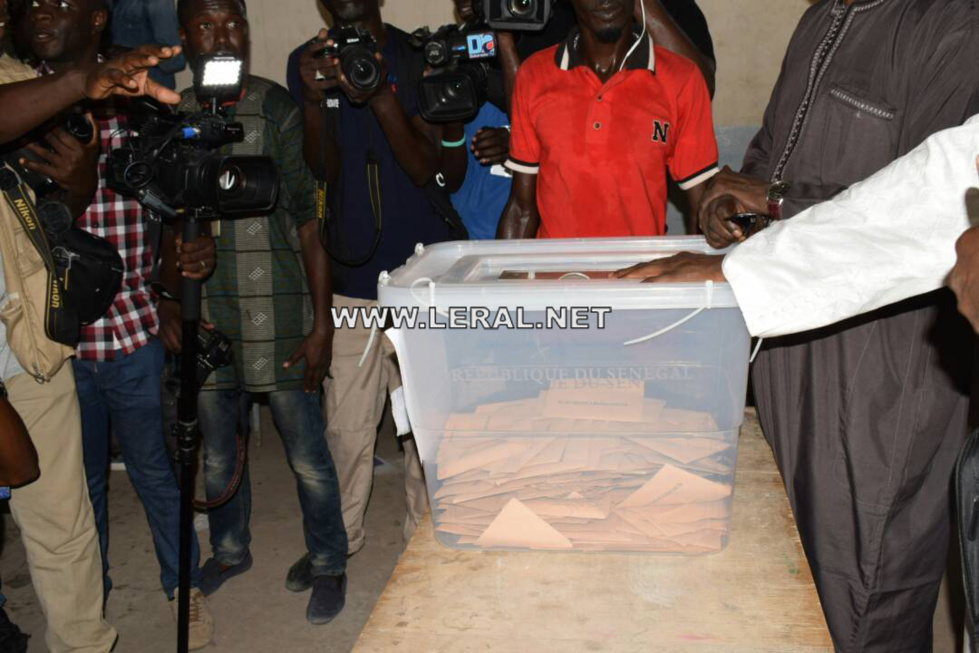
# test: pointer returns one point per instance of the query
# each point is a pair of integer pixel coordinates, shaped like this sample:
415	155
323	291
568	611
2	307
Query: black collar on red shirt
644	56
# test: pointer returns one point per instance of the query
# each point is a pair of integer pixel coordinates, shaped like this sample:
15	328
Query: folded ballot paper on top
557	474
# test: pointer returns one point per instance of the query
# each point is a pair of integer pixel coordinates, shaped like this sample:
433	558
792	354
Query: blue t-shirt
407	216
486	189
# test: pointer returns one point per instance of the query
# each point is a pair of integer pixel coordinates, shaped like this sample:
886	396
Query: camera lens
80	127
361	68
231	179
232	185
522	8
454	91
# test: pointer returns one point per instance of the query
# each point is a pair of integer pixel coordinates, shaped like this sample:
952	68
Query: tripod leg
187	436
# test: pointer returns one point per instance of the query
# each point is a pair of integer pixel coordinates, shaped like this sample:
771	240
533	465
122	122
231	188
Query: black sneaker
12	640
327	600
214	574
300	576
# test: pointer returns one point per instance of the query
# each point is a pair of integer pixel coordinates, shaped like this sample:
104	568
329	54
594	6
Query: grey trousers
866	420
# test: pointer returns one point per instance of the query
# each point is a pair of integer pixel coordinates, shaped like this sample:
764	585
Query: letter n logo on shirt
661	132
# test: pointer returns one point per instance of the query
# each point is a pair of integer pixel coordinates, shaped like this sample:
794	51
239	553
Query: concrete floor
255	612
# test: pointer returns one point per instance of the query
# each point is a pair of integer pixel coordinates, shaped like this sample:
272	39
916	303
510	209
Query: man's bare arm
31	103
520	217
667	34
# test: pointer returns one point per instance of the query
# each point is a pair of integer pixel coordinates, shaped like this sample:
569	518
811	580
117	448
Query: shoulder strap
61	323
329	204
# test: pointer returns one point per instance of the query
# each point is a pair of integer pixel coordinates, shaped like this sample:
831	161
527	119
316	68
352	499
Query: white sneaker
201	630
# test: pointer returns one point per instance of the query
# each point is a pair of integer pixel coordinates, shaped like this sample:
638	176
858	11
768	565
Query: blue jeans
125	393
299	420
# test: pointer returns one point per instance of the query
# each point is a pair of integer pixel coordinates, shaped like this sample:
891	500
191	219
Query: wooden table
755	596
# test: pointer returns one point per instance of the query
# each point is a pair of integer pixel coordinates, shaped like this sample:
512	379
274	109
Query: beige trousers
56	520
355	399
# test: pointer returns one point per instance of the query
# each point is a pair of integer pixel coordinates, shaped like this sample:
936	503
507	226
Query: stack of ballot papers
605	471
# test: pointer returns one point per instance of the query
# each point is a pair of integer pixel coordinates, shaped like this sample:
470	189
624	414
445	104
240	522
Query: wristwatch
776	196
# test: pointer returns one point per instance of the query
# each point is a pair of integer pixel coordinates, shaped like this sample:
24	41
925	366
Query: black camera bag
85	270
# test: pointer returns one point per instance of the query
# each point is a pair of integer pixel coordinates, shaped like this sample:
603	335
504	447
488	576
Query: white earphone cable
642	5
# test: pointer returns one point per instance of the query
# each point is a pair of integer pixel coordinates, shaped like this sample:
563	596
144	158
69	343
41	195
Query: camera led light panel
219	79
222	72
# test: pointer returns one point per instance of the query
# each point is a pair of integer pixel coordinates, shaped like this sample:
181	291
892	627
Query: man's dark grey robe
866	418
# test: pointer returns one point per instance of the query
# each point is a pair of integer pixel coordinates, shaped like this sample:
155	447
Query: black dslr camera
213	351
514	15
355	48
457	88
79	127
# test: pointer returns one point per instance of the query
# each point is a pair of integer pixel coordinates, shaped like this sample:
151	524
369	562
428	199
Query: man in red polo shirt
597	122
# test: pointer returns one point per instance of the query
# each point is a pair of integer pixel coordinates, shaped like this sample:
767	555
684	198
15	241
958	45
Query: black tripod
187	428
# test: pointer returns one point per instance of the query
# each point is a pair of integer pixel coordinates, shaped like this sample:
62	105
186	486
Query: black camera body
355	48
213	351
514	15
452	45
79	127
170	166
458	85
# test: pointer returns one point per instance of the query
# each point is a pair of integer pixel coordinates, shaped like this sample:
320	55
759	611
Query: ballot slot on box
570	439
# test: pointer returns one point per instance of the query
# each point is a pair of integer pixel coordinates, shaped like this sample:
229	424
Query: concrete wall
750	37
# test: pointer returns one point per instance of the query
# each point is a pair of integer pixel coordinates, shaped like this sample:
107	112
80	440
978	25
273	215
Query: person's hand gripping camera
70	160
321	70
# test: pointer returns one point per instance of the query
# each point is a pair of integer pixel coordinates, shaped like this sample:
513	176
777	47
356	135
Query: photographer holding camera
119	360
54	512
376	219
271	297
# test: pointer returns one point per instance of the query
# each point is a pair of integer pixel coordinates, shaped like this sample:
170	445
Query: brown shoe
201	630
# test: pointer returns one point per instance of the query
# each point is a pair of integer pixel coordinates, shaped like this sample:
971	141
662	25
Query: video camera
171	165
355	48
514	15
457	88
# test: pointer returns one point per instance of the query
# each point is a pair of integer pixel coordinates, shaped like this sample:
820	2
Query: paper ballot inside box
573	482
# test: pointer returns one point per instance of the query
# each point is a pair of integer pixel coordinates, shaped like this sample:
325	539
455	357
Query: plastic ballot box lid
535	274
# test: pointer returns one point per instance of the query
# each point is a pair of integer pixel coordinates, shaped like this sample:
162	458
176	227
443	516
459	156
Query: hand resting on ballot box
685	267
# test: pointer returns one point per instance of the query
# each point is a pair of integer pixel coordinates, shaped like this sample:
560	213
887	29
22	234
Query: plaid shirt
132	319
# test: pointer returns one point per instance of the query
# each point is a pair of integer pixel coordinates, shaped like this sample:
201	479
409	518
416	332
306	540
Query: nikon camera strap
60	321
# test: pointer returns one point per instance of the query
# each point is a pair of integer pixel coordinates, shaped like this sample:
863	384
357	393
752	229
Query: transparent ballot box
557	408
